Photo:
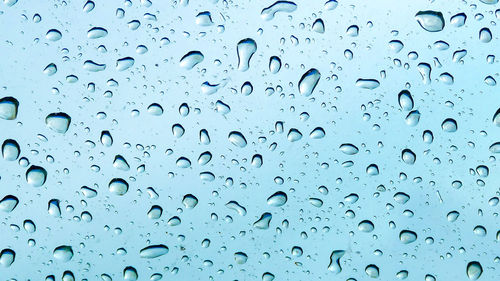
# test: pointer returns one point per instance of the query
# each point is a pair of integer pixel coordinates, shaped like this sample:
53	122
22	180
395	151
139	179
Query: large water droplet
58	122
245	50
308	82
431	21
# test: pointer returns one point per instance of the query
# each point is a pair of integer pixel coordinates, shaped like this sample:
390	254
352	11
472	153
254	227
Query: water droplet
318	26
36	176
431	21
96	33
58	122
294	135
191	59
308	82
10	150
8	203
124	63
8	108
474	268
245	50
189	201
53	35
237	139
278	199
317	133
405	100
407	236
63	253
118	186
263	221
278	6
485	35
7	257
369	84
449	125
204	19
153	251
366	226
408	156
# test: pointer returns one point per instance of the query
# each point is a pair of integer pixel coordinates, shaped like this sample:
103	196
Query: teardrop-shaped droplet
263	221
317	133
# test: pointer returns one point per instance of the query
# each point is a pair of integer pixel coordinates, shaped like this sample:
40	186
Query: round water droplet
118	186
449	125
53	35
366	226
407	236
36	176
474	270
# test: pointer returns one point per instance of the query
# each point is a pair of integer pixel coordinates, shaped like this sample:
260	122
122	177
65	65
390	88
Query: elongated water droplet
369	84
245	50
153	251
308	82
10	150
278	6
278	199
